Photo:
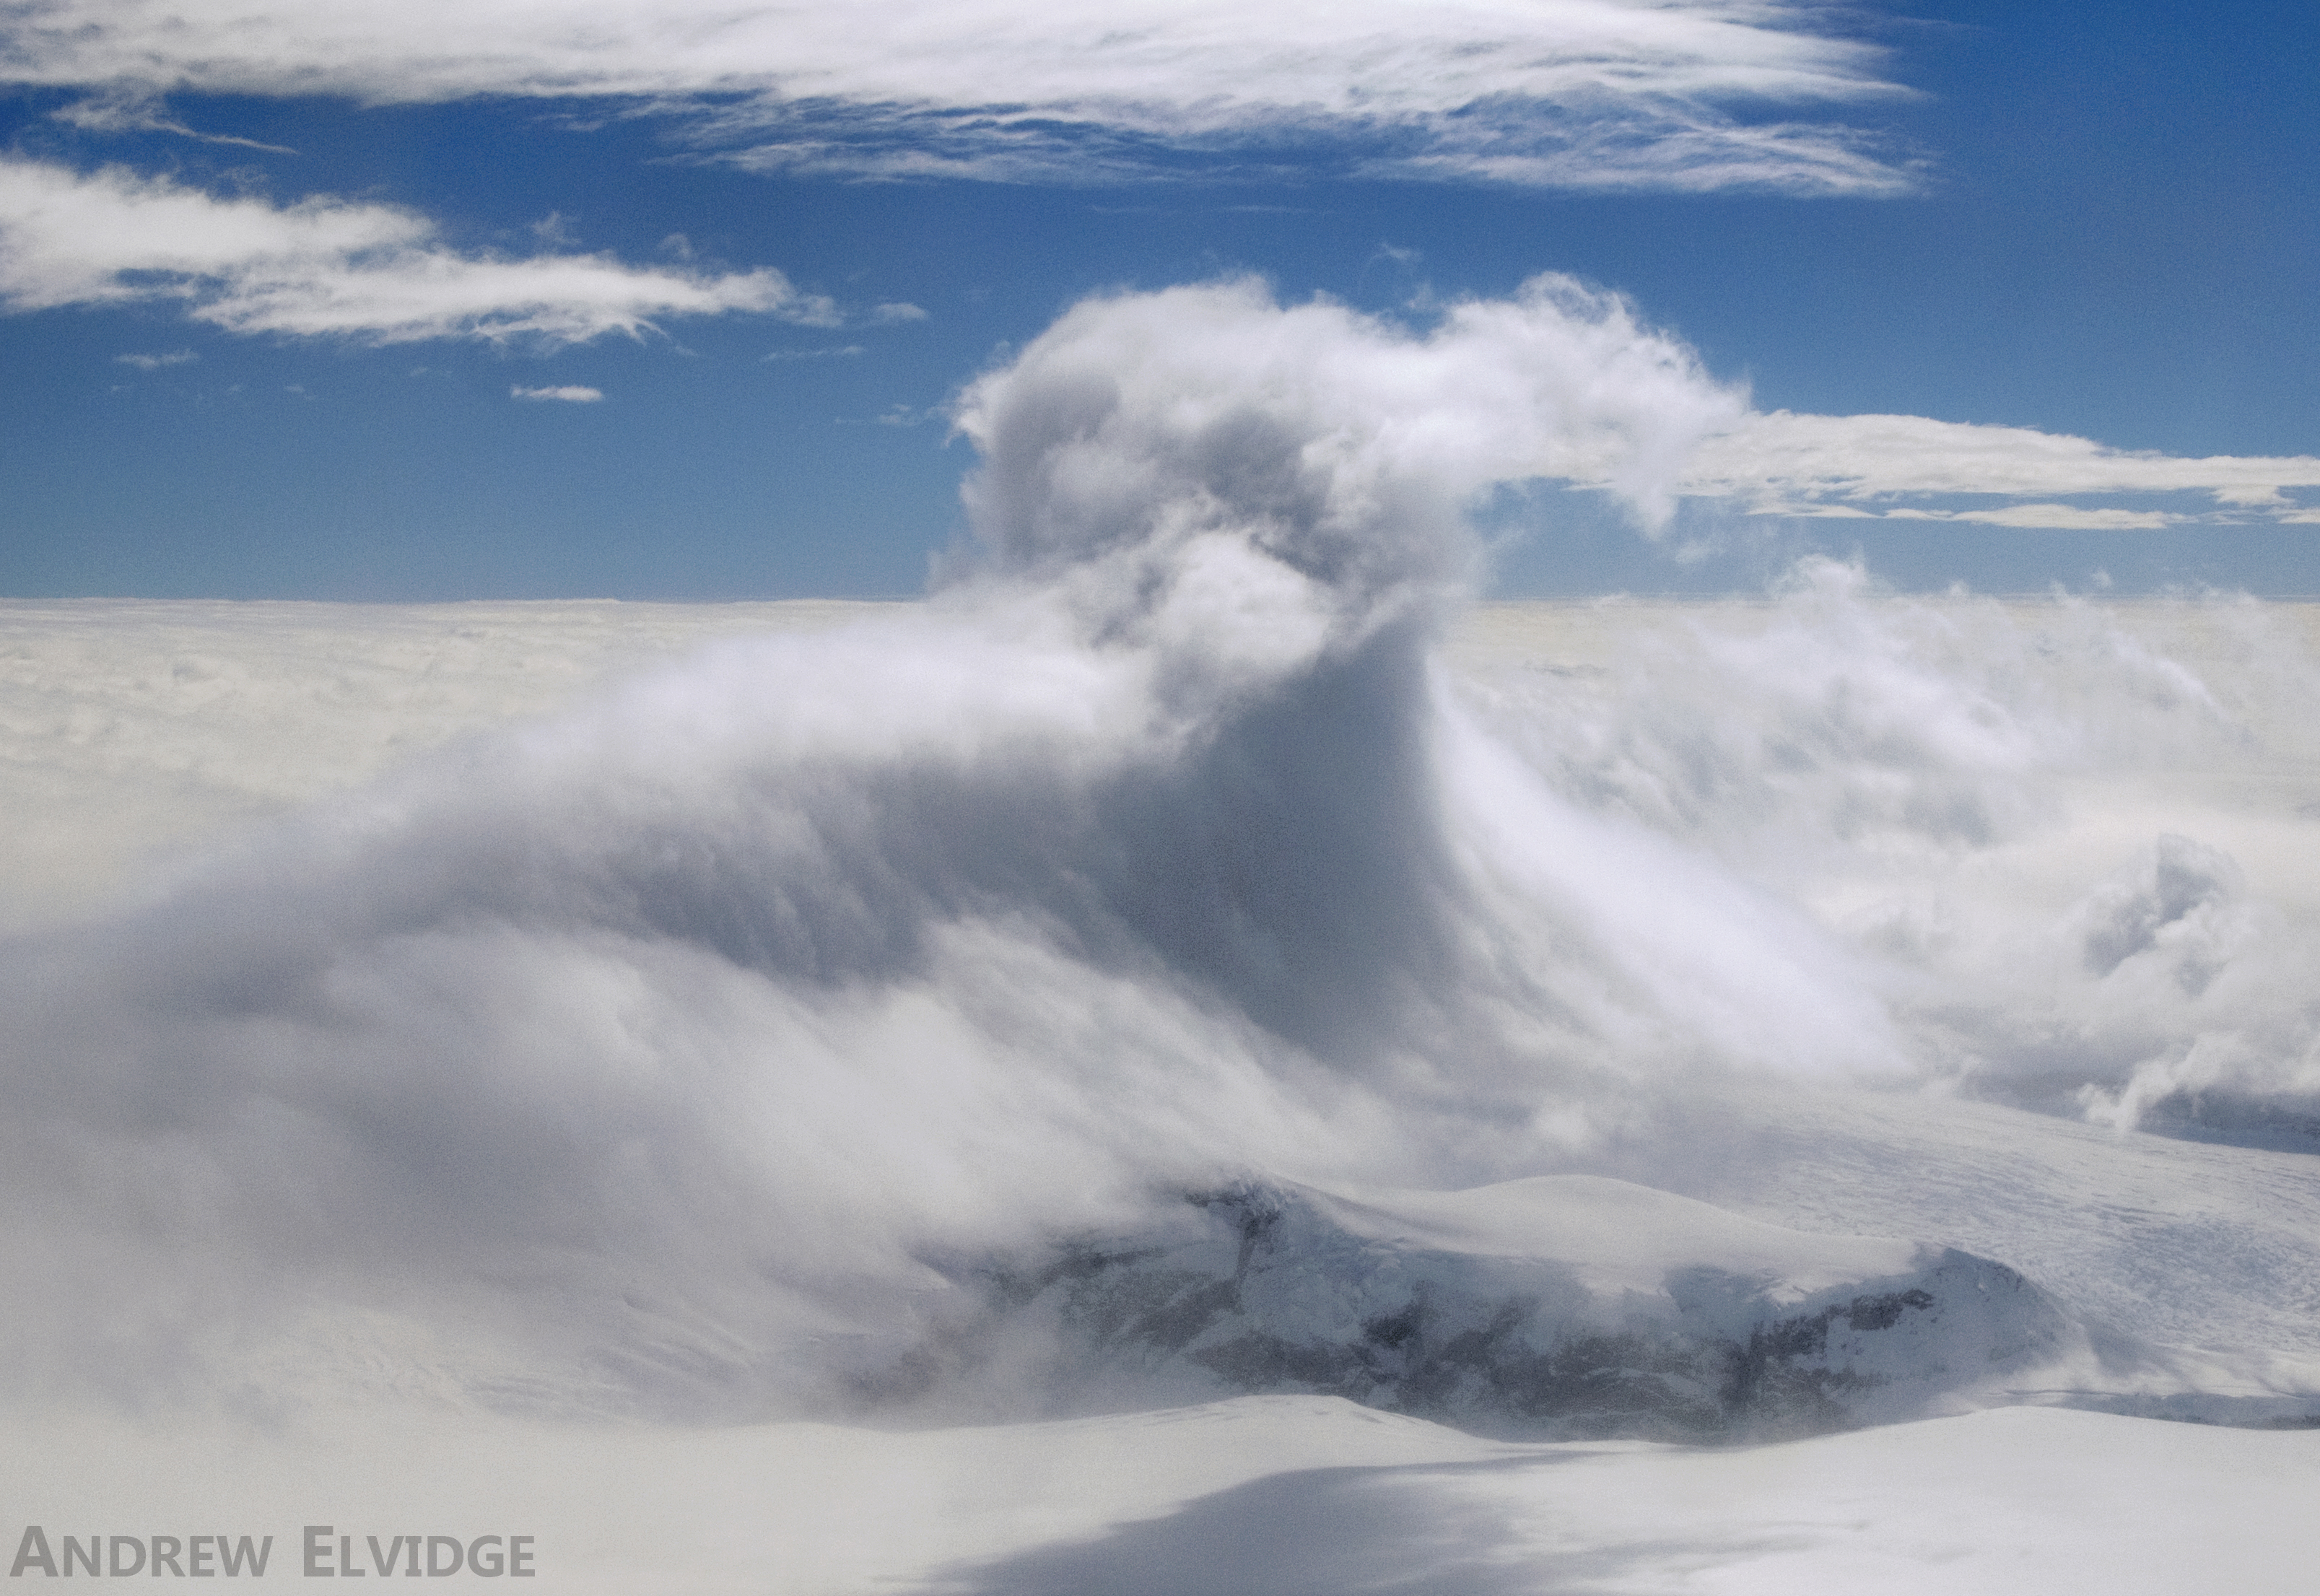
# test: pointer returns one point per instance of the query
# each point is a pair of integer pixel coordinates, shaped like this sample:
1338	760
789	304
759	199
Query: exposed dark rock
1261	1291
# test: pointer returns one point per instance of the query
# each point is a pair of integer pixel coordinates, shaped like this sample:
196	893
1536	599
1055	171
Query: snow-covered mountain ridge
1557	1306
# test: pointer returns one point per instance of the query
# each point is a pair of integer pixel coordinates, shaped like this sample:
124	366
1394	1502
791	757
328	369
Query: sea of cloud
646	1054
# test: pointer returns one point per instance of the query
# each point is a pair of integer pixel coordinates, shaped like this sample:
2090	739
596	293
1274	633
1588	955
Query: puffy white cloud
569	394
1568	93
1656	427
1342	446
1640	416
331	268
1862	464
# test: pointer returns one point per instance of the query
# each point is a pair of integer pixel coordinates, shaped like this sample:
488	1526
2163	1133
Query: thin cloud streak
154	362
330	268
1860	466
1586	94
846	352
135	110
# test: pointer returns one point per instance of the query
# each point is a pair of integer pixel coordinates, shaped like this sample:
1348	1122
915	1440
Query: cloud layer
1584	94
331	268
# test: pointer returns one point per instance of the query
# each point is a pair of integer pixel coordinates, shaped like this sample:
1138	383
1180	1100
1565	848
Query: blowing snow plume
768	1037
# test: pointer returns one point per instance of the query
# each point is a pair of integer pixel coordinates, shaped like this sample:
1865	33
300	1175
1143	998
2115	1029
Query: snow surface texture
1190	954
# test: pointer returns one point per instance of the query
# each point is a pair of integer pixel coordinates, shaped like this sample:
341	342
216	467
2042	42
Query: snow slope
1283	1496
2208	1256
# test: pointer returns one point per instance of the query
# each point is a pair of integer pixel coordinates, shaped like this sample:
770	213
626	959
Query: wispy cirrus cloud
1875	465
1570	94
132	108
331	268
837	352
155	362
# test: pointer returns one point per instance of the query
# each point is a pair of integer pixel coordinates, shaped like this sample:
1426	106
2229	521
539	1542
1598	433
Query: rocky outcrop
1427	1304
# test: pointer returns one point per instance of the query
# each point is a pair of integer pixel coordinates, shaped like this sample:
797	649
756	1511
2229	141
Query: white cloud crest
329	267
1559	93
1350	447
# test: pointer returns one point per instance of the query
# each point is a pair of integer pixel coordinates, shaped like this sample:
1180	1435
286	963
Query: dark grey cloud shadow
1329	1532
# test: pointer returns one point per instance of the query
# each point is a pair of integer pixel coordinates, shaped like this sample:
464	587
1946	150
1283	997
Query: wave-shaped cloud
657	1054
668	1039
1581	94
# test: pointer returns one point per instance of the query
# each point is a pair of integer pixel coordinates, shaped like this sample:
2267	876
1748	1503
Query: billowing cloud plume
1585	93
1133	861
329	267
1347	448
697	1049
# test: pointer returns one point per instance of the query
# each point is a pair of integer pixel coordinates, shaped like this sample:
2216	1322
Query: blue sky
2094	223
